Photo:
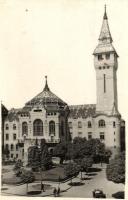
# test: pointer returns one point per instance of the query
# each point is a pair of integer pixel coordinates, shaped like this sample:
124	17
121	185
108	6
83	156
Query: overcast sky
57	39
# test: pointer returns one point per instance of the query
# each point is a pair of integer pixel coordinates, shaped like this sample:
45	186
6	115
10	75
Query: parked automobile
97	193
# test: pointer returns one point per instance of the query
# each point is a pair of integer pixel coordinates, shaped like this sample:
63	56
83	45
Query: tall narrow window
104	83
7	136
6	126
14	126
89	135
51	127
107	56
14	136
24	128
79	124
17	147
89	124
12	147
38	127
114	124
100	57
102	136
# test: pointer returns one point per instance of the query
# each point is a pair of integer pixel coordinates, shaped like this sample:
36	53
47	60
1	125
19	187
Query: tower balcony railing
50	140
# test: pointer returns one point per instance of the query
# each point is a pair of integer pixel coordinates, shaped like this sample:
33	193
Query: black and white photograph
63	93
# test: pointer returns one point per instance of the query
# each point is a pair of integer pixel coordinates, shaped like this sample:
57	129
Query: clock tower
106	65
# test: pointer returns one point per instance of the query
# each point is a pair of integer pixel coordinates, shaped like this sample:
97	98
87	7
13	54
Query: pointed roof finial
105	13
46	88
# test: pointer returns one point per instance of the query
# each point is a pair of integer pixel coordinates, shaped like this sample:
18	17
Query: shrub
27	176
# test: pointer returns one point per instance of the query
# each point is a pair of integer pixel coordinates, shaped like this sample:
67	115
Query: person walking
42	187
58	192
54	192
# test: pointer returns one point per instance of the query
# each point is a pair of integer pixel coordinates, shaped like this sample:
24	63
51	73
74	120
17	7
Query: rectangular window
14	136
100	57
16	155
102	137
89	135
107	56
12	155
12	147
6	127
104	83
79	124
7	136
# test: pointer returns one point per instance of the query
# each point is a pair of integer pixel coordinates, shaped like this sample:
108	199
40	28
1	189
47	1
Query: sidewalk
20	190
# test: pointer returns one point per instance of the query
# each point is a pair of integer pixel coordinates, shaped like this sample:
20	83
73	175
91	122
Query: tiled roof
83	111
45	98
101	48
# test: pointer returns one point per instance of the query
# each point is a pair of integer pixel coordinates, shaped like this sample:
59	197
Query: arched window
7	146
24	128
37	127
14	126
51	127
79	124
89	124
101	123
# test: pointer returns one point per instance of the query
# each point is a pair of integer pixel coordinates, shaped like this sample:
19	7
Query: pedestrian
54	192
42	187
58	192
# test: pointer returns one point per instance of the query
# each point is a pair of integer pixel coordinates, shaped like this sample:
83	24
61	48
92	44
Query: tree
34	158
60	151
71	169
45	157
115	171
18	167
84	163
79	140
39	158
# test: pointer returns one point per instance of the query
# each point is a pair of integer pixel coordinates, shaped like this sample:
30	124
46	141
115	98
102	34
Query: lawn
49	175
12	180
52	174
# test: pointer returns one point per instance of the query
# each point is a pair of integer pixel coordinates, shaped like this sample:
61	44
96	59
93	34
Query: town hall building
48	117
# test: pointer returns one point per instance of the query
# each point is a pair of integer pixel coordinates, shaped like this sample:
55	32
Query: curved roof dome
46	98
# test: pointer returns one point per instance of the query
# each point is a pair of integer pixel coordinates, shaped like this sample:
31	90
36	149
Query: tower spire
105	32
105	13
46	88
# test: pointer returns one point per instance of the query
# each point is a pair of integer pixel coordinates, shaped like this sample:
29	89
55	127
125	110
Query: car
97	193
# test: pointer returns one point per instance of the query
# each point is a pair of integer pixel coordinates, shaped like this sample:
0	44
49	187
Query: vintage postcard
63	98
